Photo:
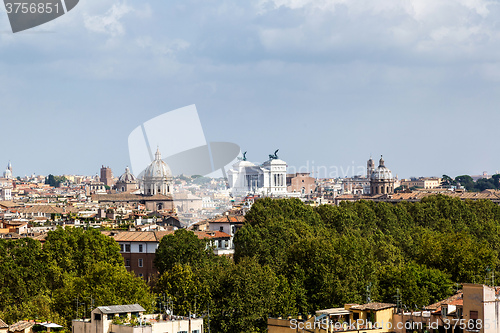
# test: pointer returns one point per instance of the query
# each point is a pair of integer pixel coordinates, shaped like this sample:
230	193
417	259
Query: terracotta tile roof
156	236
45	209
129	197
20	325
211	234
9	204
135	236
229	218
160	234
456	302
436	306
139	236
418	195
373	306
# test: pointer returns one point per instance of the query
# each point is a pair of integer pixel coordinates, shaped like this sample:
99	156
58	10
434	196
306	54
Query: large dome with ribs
157	169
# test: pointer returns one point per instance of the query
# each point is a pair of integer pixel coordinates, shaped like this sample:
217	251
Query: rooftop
21	325
373	306
111	309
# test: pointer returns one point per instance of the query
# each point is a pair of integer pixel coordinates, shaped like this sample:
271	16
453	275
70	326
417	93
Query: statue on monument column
274	156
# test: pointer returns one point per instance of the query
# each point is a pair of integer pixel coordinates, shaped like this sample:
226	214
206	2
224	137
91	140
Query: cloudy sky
329	83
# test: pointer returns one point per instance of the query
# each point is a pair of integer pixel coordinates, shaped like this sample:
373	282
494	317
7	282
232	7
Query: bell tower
370	167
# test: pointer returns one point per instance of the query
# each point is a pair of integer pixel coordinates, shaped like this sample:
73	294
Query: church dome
7	174
127	177
157	168
382	172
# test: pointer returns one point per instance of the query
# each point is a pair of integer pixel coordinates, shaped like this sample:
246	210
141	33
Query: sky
328	83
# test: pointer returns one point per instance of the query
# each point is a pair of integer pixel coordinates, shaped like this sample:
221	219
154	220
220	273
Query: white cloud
108	23
378	29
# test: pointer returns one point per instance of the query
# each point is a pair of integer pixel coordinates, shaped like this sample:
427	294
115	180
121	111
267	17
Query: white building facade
268	179
157	178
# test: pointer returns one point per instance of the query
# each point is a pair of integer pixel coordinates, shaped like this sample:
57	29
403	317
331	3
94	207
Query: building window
140	262
127	262
140	274
111	316
127	247
221	229
97	316
140	247
121	248
474	316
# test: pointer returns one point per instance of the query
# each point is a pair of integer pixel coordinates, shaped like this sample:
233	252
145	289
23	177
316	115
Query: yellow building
355	318
423	182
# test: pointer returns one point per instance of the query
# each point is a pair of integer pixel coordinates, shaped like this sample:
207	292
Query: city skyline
417	82
316	171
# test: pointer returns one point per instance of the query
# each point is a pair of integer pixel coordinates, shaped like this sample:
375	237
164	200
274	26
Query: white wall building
102	317
268	179
5	193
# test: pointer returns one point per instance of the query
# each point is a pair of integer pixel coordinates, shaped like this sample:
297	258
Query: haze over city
417	82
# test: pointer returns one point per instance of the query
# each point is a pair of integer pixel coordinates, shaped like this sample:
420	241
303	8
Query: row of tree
73	271
474	186
55	181
292	258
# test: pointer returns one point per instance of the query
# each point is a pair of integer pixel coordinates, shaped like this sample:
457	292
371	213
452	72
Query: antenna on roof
490	277
398	301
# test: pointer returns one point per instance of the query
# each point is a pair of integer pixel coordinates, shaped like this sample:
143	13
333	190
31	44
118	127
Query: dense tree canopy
55	181
470	185
181	248
290	258
44	283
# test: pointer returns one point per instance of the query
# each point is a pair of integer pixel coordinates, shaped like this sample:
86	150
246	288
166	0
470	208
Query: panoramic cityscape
225	166
167	230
